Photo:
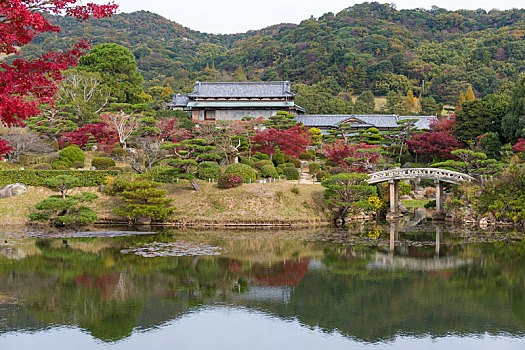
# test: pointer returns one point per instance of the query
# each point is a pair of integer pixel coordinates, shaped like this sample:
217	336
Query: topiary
260	156
278	158
229	181
78	165
259	165
336	170
297	163
102	163
42	166
279	171
289	165
208	170
308	155
247	161
291	173
322	175
246	172
313	168
269	171
60	165
72	154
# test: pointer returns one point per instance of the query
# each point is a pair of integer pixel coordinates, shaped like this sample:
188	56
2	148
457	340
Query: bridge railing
422	173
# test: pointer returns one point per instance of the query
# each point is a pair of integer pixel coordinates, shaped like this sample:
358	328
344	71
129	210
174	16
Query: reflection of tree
286	273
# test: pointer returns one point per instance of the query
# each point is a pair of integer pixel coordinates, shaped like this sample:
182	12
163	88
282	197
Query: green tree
513	123
491	145
365	103
119	71
347	193
64	210
142	199
280	121
394	103
429	106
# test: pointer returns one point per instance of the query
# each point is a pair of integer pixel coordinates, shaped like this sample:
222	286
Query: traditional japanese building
382	122
215	101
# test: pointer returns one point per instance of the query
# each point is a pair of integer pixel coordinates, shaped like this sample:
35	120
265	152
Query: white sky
234	16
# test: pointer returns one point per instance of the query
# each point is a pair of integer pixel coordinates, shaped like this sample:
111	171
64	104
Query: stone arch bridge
393	176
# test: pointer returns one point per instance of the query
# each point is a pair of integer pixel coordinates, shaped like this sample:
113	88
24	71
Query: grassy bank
280	203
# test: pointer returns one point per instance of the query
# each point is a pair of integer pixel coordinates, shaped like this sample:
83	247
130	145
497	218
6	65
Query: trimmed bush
297	163
229	181
336	170
313	168
269	171
291	173
246	172
259	165
322	175
247	161
308	155
42	166
102	163
72	154
208	170
60	165
289	165
278	158
279	171
78	165
86	178
260	156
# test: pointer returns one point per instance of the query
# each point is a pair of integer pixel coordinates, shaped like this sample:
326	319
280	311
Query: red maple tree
445	124
292	141
429	144
105	137
26	84
520	146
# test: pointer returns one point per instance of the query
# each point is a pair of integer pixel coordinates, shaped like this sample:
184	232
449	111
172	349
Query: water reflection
366	292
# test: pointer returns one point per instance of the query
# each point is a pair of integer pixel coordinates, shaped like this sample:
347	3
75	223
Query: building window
209	115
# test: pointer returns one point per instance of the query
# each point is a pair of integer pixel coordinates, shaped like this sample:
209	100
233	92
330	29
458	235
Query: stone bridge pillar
439	196
394	195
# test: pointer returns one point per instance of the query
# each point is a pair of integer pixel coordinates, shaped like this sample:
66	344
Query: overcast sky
234	16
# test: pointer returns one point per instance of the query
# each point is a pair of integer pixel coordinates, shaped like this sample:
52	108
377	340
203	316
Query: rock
402	208
406	197
304	164
430	190
430	196
484	223
12	190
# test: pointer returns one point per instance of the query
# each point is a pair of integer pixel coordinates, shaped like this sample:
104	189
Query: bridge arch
393	176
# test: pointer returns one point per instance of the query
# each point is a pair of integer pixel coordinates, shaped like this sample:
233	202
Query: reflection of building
382	122
214	101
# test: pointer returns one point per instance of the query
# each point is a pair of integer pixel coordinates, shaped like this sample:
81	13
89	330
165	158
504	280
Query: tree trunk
195	184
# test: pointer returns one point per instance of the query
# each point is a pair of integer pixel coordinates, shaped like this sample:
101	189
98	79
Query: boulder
12	190
406	197
304	164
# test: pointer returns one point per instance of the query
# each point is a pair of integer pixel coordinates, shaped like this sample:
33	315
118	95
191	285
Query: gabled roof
180	100
361	120
259	89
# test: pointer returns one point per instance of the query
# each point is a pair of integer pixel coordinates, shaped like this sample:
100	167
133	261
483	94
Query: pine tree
239	74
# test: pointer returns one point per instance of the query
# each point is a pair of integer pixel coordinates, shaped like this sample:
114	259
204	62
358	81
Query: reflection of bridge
438	175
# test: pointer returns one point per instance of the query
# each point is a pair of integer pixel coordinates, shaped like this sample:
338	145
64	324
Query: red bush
230	181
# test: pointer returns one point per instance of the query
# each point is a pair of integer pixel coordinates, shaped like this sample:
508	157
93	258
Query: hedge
87	178
291	173
102	163
242	170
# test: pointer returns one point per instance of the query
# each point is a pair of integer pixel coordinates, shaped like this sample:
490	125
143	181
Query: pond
400	286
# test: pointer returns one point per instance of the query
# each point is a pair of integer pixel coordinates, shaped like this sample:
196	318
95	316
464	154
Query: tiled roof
368	120
242	89
180	100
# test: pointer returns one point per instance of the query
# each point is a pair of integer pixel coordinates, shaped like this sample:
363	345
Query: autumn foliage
340	154
100	133
25	84
439	143
292	141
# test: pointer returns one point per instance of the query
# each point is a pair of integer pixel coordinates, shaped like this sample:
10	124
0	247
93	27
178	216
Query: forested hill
369	46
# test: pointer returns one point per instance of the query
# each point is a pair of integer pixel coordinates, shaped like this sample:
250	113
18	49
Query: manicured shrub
336	170
78	165
278	158
291	173
289	165
268	171
297	163
321	175
229	181
102	163
72	154
260	156
42	166
259	165
246	172
247	161
279	171
60	165
208	170
308	155
86	178
313	168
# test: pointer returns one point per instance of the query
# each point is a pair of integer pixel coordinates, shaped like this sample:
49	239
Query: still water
403	286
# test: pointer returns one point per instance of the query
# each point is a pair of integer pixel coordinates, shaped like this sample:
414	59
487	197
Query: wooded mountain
369	46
